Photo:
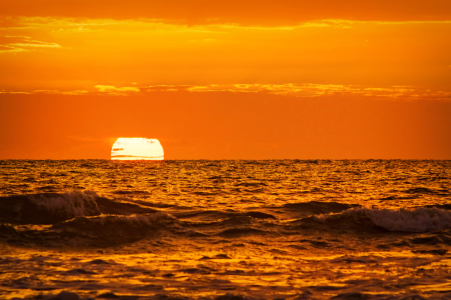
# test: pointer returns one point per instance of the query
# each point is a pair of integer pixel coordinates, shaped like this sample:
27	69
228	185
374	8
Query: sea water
230	229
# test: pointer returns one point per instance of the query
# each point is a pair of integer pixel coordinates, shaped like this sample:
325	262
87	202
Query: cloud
57	92
195	12
110	89
22	43
86	25
315	90
301	90
14	92
121	52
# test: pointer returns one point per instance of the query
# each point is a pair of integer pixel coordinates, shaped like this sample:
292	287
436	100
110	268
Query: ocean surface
225	230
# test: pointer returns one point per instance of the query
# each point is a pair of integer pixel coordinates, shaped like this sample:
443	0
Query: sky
226	79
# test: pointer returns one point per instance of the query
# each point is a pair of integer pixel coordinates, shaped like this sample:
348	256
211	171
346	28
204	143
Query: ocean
225	229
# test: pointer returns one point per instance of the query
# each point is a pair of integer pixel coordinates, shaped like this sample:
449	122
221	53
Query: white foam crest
73	203
408	220
412	220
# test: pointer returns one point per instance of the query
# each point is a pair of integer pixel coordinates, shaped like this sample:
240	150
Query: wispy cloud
110	89
86	24
303	90
57	92
121	51
314	90
10	43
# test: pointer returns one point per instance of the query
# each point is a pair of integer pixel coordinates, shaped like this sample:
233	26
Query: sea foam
411	220
74	203
406	220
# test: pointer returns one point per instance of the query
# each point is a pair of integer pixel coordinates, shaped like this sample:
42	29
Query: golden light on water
137	148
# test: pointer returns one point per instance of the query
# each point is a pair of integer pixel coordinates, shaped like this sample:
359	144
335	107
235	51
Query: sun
137	148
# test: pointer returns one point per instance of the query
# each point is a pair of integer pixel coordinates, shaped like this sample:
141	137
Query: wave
424	190
116	228
96	231
411	220
239	232
66	295
217	216
418	220
48	208
316	207
51	208
70	204
152	219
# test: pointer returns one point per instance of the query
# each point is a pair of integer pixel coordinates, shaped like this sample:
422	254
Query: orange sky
226	79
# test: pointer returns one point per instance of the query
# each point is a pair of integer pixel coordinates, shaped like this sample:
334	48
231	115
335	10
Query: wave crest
110	221
412	220
406	220
110	230
74	203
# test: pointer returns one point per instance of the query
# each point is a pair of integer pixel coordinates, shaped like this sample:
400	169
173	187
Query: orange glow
137	149
198	54
54	55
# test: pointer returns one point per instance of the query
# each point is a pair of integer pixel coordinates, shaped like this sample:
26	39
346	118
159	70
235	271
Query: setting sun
307	149
137	149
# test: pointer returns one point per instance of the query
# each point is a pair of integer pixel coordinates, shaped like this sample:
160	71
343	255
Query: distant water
236	229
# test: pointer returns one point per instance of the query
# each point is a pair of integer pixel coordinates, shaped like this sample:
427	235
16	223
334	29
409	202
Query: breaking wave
154	219
116	229
404	220
412	220
305	209
52	208
97	231
71	204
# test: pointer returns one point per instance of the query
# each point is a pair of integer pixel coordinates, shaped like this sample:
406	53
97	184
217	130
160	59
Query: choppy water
285	229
